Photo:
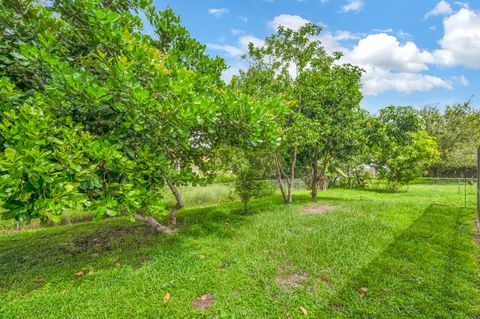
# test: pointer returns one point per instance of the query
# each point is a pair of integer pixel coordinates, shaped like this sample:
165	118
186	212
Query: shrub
249	185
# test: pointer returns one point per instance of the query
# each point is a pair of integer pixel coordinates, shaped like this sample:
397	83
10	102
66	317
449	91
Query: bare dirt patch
292	280
203	302
317	209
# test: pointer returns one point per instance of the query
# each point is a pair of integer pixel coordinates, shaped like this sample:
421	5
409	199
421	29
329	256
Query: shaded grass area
192	197
428	271
414	252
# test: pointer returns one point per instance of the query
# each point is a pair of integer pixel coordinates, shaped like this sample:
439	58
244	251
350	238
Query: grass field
374	255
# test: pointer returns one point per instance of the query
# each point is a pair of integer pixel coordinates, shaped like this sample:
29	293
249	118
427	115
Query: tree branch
153	222
178	206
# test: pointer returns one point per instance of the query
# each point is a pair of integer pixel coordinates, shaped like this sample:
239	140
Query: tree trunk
291	180
279	178
323	183
350	178
287	196
322	178
178	206
153	222
315	180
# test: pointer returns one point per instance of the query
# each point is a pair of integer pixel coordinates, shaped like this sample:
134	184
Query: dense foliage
249	184
457	131
401	150
323	99
97	114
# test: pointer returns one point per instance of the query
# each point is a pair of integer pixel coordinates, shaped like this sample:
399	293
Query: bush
249	184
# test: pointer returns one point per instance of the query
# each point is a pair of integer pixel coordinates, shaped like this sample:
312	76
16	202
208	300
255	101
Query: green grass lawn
375	255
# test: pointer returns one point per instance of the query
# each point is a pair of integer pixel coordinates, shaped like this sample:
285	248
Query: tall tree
331	101
401	149
144	110
275	69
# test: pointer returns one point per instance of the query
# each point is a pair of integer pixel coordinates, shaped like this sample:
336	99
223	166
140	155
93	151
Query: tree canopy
98	114
457	131
101	116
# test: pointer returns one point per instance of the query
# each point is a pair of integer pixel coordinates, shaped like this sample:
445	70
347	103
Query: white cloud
390	64
237	32
235	52
383	50
378	80
218	12
346	35
462	4
229	49
245	40
331	41
442	8
353	5
389	30
233	70
462	80
404	35
460	44
240	49
288	21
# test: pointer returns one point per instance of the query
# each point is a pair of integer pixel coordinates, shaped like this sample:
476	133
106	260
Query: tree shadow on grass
29	260
429	271
383	190
222	220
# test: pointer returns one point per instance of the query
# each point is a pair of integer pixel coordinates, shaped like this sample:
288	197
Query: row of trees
323	129
98	115
457	131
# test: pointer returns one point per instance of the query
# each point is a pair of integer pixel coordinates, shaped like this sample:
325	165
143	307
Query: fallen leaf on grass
166	297
363	291
79	273
303	310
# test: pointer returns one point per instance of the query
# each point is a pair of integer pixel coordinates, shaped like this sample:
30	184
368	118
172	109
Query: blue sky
415	52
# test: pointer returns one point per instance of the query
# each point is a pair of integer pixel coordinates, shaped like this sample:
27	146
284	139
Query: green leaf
10	153
341	172
111	212
69	187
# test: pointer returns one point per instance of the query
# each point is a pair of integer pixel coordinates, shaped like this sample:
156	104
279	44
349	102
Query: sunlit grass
414	252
